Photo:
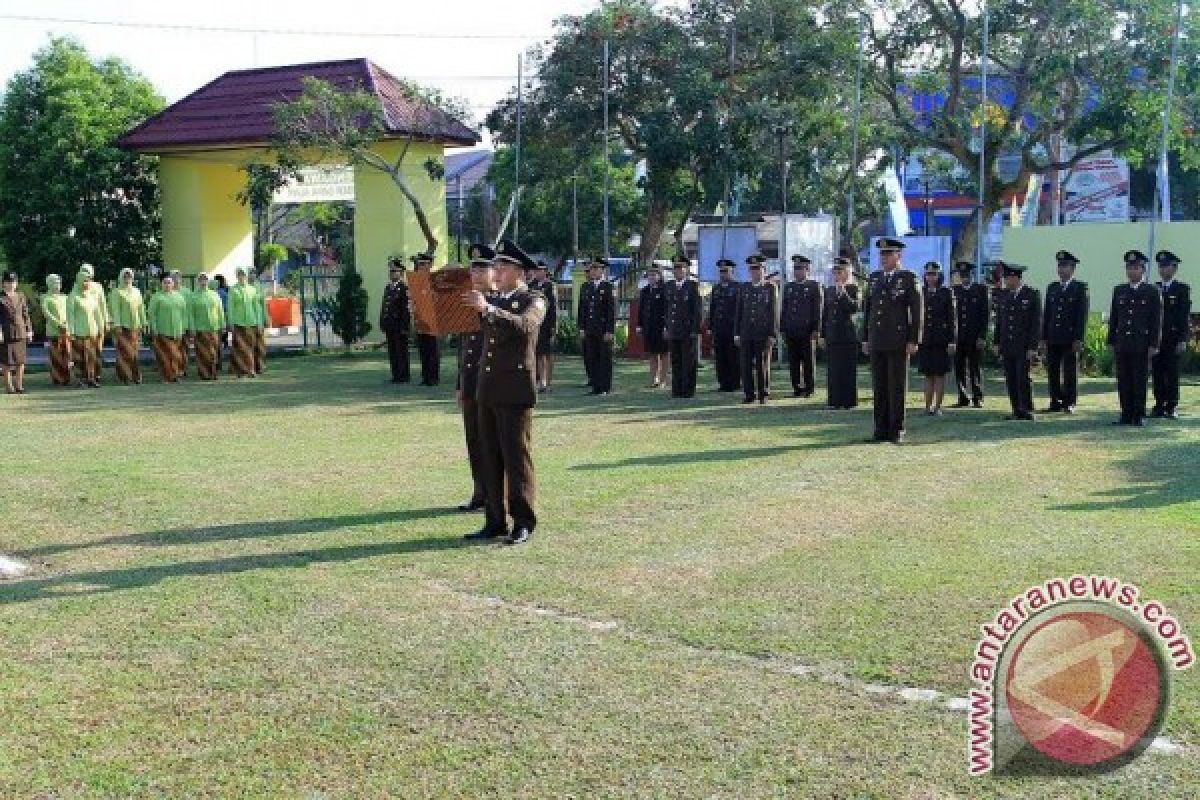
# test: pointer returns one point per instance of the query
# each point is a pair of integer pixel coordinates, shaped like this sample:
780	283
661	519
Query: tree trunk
656	222
683	221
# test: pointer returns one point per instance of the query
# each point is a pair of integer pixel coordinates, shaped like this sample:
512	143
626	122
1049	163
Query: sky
467	48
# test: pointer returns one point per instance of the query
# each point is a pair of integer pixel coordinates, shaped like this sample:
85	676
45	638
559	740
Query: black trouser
726	361
1166	376
754	368
1062	374
889	387
431	358
509	482
470	415
1133	370
801	352
397	347
968	370
598	354
1019	382
683	366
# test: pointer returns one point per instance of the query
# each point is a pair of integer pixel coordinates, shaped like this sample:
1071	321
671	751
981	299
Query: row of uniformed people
175	318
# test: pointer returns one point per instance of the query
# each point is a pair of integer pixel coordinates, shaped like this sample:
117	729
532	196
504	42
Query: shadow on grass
103	581
1159	476
242	530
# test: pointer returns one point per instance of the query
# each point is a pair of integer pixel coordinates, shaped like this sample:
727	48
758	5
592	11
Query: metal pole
1162	184
858	76
607	170
575	217
461	213
729	152
517	166
983	127
783	207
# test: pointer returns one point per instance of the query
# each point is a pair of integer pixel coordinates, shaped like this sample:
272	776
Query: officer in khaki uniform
1134	334
800	323
1177	308
756	327
892	320
722	314
470	353
1064	324
506	393
1018	327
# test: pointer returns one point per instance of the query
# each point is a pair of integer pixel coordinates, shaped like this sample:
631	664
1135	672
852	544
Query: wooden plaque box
437	301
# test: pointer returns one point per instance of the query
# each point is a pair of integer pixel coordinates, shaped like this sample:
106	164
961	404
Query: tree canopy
68	194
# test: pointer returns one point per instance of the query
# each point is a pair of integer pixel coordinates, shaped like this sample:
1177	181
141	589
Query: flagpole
517	165
983	94
1162	187
862	36
607	176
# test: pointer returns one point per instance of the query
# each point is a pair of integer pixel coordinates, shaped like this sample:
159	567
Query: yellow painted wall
204	227
384	224
1099	248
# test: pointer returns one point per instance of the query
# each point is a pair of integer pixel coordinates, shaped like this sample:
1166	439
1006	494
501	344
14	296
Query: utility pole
983	127
1162	183
858	77
607	169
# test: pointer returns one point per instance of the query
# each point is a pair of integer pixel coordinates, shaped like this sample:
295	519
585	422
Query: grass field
259	589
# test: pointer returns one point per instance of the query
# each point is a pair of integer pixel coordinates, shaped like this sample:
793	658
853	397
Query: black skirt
933	360
842	374
545	341
12	354
656	342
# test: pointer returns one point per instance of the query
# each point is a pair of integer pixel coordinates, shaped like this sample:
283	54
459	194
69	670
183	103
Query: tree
1090	72
350	307
68	194
263	180
341	125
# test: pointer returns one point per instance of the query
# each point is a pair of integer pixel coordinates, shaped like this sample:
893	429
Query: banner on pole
1097	190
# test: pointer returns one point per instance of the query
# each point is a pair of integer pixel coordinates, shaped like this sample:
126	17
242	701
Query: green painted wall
1099	248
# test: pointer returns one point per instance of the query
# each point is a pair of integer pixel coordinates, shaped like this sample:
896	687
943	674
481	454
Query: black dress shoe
747	400
1172	414
1068	409
962	403
1139	422
1028	417
1157	412
976	404
519	536
486	534
897	438
1121	421
1054	408
471	505
762	401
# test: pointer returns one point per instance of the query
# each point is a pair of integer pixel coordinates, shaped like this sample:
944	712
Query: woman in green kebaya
58	331
86	318
207	324
247	316
127	311
167	314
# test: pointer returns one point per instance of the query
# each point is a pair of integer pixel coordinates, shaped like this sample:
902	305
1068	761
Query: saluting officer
841	337
1177	307
470	354
682	328
395	320
892	315
801	325
1063	326
597	321
722	316
1134	334
1018	326
428	347
506	392
756	327
974	312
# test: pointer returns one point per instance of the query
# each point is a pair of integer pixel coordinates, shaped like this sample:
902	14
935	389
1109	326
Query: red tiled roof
238	108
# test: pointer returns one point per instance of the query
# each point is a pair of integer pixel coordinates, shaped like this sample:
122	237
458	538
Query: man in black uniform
974	311
1177	308
545	344
597	321
892	324
470	353
428	348
1063	326
682	328
395	320
1018	326
756	326
801	325
722	313
1134	334
506	392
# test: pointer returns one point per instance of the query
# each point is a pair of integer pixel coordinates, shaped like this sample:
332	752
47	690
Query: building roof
238	108
466	169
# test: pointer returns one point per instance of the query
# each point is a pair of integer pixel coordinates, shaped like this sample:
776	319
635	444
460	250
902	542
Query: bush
566	338
1097	359
349	319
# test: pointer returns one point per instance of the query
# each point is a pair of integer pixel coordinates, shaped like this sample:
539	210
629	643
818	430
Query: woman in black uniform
937	338
651	317
840	337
